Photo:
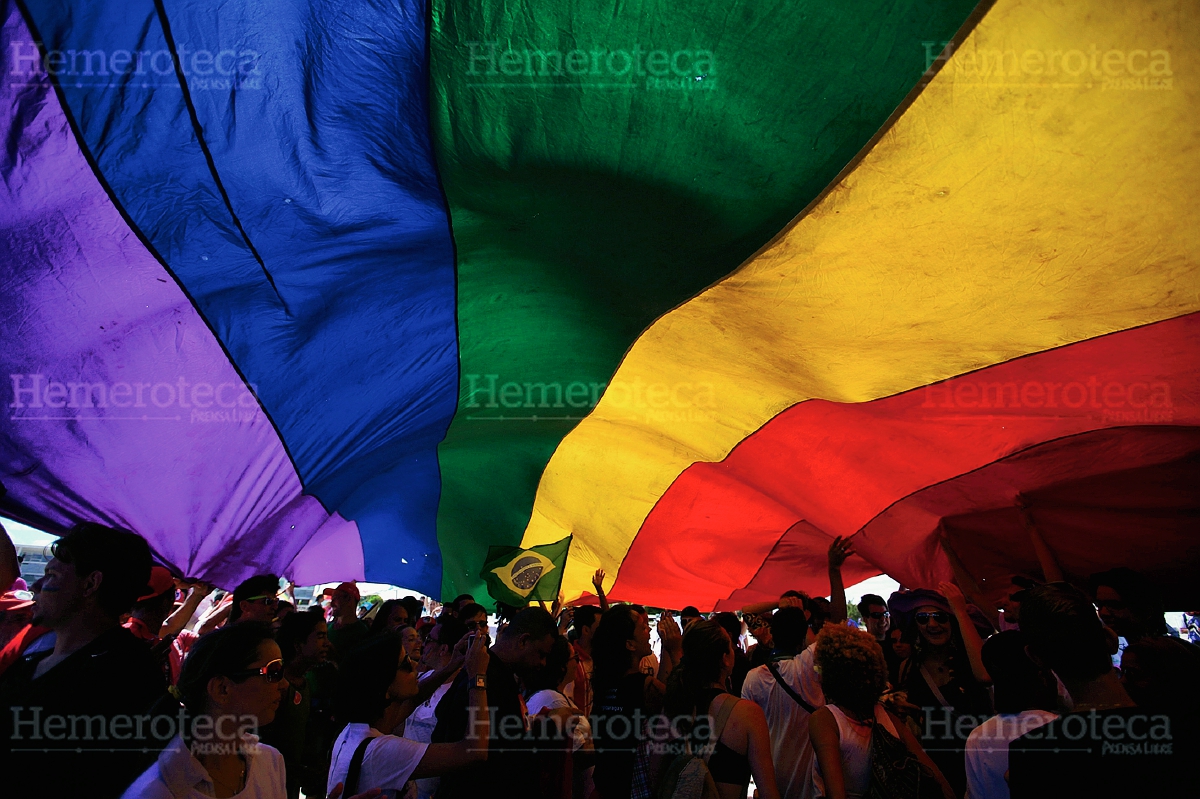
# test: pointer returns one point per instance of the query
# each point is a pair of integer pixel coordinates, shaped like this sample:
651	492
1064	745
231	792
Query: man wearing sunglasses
874	613
256	599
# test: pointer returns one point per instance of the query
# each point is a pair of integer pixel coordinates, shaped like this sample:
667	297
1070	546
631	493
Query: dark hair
379	623
1138	592
797	594
1019	683
788	629
867	601
450	631
364	676
691	611
585	616
471	609
1061	627
550	675
415	608
731	624
121	556
705	645
258	585
611	659
853	672
531	621
295	629
221	653
460	598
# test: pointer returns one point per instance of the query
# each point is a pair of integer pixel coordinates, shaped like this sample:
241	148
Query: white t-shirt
786	720
553	700
388	763
419	727
177	774
987	750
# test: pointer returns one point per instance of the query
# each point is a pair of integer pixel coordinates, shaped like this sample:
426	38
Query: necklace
238	786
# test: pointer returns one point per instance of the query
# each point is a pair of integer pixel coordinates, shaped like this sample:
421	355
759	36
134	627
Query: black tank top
726	765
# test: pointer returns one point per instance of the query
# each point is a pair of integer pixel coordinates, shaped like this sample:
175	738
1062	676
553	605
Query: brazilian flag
515	575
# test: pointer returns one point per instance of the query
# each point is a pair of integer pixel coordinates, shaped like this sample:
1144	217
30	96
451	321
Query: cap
350	588
160	581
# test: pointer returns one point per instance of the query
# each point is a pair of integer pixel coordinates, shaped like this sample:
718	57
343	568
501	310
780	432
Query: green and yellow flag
515	575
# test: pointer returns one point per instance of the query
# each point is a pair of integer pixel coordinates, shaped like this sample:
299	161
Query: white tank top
855	741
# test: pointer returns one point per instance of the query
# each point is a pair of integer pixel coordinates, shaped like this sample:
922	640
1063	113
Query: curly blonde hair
850	662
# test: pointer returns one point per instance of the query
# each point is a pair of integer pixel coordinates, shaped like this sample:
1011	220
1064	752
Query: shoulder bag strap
719	722
351	786
790	691
937	692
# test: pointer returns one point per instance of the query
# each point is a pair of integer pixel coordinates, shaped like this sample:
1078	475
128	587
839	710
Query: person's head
391	616
155	605
475	617
584	623
901	644
1006	592
1160	674
560	666
371	678
794	599
935	624
731	624
95	570
1063	633
1019	683
256	599
621	640
439	647
343	602
234	671
759	626
707	660
1128	603
413	642
460	600
415	608
689	616
789	628
524	643
874	613
818	612
304	638
852	669
284	610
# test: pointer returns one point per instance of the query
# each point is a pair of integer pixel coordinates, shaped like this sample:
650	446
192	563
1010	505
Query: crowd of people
120	680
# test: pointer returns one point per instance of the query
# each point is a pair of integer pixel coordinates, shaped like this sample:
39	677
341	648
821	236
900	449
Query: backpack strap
351	786
790	691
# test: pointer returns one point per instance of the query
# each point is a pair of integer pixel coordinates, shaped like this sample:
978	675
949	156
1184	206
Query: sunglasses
940	617
272	672
879	615
266	600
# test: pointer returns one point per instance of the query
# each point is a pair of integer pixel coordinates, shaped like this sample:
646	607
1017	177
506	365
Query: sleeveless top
726	765
855	741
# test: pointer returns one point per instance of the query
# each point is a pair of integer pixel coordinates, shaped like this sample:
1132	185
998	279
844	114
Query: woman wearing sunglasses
231	684
944	677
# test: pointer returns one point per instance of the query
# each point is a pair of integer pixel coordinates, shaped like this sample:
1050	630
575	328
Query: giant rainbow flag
358	289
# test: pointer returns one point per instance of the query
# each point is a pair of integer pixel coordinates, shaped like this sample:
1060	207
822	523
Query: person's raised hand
954	595
477	656
337	792
669	633
564	619
791	602
839	550
598	581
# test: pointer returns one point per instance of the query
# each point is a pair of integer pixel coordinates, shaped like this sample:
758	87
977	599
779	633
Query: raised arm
215	617
1050	568
839	550
441	759
175	623
970	636
598	584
